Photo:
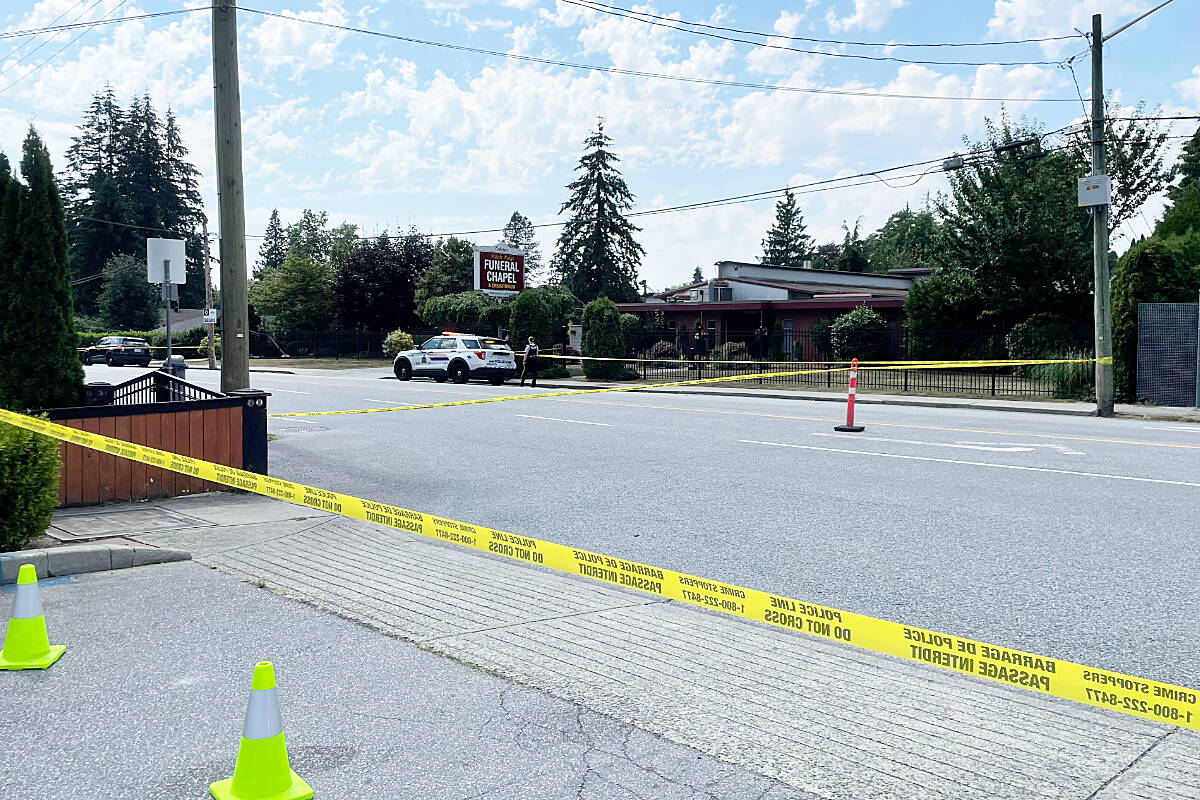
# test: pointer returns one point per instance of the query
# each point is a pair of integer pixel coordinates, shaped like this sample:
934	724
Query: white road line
382	402
994	448
1066	451
302	421
976	463
289	391
576	421
1192	429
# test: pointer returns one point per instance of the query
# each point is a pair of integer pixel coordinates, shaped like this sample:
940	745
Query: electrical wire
655	75
73	25
655	20
53	55
710	26
47	41
22	45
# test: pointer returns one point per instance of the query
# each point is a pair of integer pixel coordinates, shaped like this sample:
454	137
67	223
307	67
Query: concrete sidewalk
815	717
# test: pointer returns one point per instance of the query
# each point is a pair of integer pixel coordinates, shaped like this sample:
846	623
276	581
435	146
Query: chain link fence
1168	363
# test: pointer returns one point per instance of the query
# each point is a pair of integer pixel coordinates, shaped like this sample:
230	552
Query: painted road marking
1062	448
557	419
383	402
289	391
1191	429
977	463
994	448
303	421
880	424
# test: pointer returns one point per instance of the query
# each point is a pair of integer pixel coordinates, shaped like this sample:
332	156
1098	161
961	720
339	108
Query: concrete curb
77	559
862	399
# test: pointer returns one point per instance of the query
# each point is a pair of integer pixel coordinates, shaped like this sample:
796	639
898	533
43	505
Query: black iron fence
153	387
678	355
340	344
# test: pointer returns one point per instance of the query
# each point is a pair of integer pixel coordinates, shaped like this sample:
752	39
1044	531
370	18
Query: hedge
29	466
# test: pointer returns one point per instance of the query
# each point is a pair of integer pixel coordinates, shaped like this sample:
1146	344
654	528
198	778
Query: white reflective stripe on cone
28	603
262	715
853	390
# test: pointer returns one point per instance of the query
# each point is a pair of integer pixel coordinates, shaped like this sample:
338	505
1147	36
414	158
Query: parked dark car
119	351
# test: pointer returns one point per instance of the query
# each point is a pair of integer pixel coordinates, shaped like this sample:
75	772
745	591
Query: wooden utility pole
212	354
1103	308
231	205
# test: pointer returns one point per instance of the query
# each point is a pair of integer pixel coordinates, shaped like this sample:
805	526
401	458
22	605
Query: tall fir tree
39	362
597	255
519	233
128	178
274	247
787	245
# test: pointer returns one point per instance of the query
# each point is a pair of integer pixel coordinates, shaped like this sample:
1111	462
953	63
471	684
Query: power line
47	41
53	55
709	26
74	25
656	75
654	19
19	47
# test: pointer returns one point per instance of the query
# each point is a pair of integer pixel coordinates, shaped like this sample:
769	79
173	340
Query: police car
458	357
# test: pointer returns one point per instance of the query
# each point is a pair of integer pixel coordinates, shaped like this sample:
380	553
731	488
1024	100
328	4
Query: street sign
499	270
210	316
1094	190
159	253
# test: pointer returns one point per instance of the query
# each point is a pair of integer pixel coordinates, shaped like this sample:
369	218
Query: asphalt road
1071	537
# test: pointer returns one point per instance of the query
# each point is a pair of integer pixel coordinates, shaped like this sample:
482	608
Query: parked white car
458	357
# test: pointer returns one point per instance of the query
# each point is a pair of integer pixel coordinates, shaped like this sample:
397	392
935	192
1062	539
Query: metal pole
212	353
1103	309
227	114
1198	351
167	300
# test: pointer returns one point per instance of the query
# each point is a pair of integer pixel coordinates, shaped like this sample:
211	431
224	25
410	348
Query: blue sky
389	134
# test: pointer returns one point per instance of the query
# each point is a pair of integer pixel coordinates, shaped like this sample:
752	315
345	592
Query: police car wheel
459	373
403	370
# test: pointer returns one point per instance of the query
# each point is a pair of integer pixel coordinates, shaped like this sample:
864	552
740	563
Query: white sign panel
499	270
1094	190
159	251
210	316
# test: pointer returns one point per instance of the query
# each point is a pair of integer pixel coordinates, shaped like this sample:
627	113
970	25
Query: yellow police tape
1139	697
997	362
694	382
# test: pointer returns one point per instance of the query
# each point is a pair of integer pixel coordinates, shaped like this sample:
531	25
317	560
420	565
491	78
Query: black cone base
849	428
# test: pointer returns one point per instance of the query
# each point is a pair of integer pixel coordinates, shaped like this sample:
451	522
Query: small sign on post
163	255
210	316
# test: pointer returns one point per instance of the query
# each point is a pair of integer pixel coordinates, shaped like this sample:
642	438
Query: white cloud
868	14
280	43
1027	19
1189	88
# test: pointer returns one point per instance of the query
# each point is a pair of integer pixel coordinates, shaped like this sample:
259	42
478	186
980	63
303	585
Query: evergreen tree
39	363
787	245
128	178
274	247
373	290
697	275
128	302
518	233
851	257
597	255
1188	168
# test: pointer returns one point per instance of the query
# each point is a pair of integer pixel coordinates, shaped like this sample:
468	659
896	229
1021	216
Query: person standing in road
530	364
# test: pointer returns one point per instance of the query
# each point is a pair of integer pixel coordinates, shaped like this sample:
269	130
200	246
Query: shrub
396	342
663	350
1069	381
1040	336
938	307
29	465
630	321
731	351
602	338
860	334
